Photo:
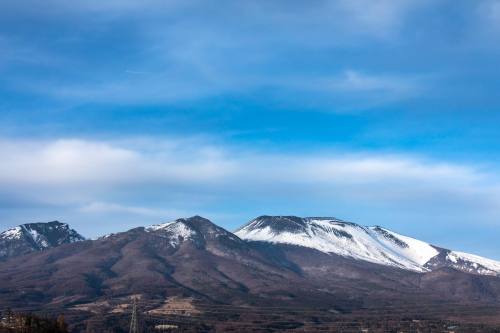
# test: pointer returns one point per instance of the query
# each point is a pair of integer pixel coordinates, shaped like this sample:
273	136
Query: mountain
193	263
33	237
373	244
186	257
195	229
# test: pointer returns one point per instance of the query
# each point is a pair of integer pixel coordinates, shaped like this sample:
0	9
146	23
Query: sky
117	114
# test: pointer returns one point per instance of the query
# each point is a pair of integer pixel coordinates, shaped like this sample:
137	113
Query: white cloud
69	162
99	176
109	186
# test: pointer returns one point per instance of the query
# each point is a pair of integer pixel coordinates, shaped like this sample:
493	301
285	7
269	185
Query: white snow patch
177	230
156	227
491	267
13	233
175	227
38	238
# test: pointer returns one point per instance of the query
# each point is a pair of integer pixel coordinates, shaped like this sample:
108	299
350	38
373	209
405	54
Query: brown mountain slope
193	259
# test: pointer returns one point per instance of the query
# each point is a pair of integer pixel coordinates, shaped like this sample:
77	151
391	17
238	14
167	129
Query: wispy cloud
195	55
355	81
114	208
381	18
178	51
97	176
489	15
348	89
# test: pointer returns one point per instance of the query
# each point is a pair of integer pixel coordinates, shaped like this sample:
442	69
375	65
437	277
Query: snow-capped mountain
196	229
32	237
329	235
374	244
192	258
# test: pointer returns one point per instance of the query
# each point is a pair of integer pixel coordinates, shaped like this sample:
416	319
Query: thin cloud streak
98	207
191	57
187	51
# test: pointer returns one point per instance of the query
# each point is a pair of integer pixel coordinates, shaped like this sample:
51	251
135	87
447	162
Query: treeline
13	322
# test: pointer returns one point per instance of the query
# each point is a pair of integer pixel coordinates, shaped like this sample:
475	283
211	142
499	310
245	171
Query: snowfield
373	244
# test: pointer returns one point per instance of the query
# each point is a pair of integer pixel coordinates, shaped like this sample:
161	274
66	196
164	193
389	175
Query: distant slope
34	237
374	244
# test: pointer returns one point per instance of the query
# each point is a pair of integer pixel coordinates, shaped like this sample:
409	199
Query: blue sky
115	114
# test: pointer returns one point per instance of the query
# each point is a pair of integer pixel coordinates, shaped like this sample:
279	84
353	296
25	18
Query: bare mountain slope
194	259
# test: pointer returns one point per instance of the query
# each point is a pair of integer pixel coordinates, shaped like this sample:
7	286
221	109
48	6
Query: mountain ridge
33	237
195	261
330	235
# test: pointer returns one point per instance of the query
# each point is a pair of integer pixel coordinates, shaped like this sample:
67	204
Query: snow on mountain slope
343	238
176	231
32	237
177	227
415	250
373	244
13	233
472	263
196	228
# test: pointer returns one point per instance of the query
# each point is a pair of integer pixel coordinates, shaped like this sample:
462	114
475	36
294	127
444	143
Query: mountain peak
195	223
32	237
194	228
276	224
289	224
198	222
334	236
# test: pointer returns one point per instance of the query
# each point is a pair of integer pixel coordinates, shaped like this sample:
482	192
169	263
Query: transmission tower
134	320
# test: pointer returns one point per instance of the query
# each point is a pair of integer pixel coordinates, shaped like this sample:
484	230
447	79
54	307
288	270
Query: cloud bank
161	179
